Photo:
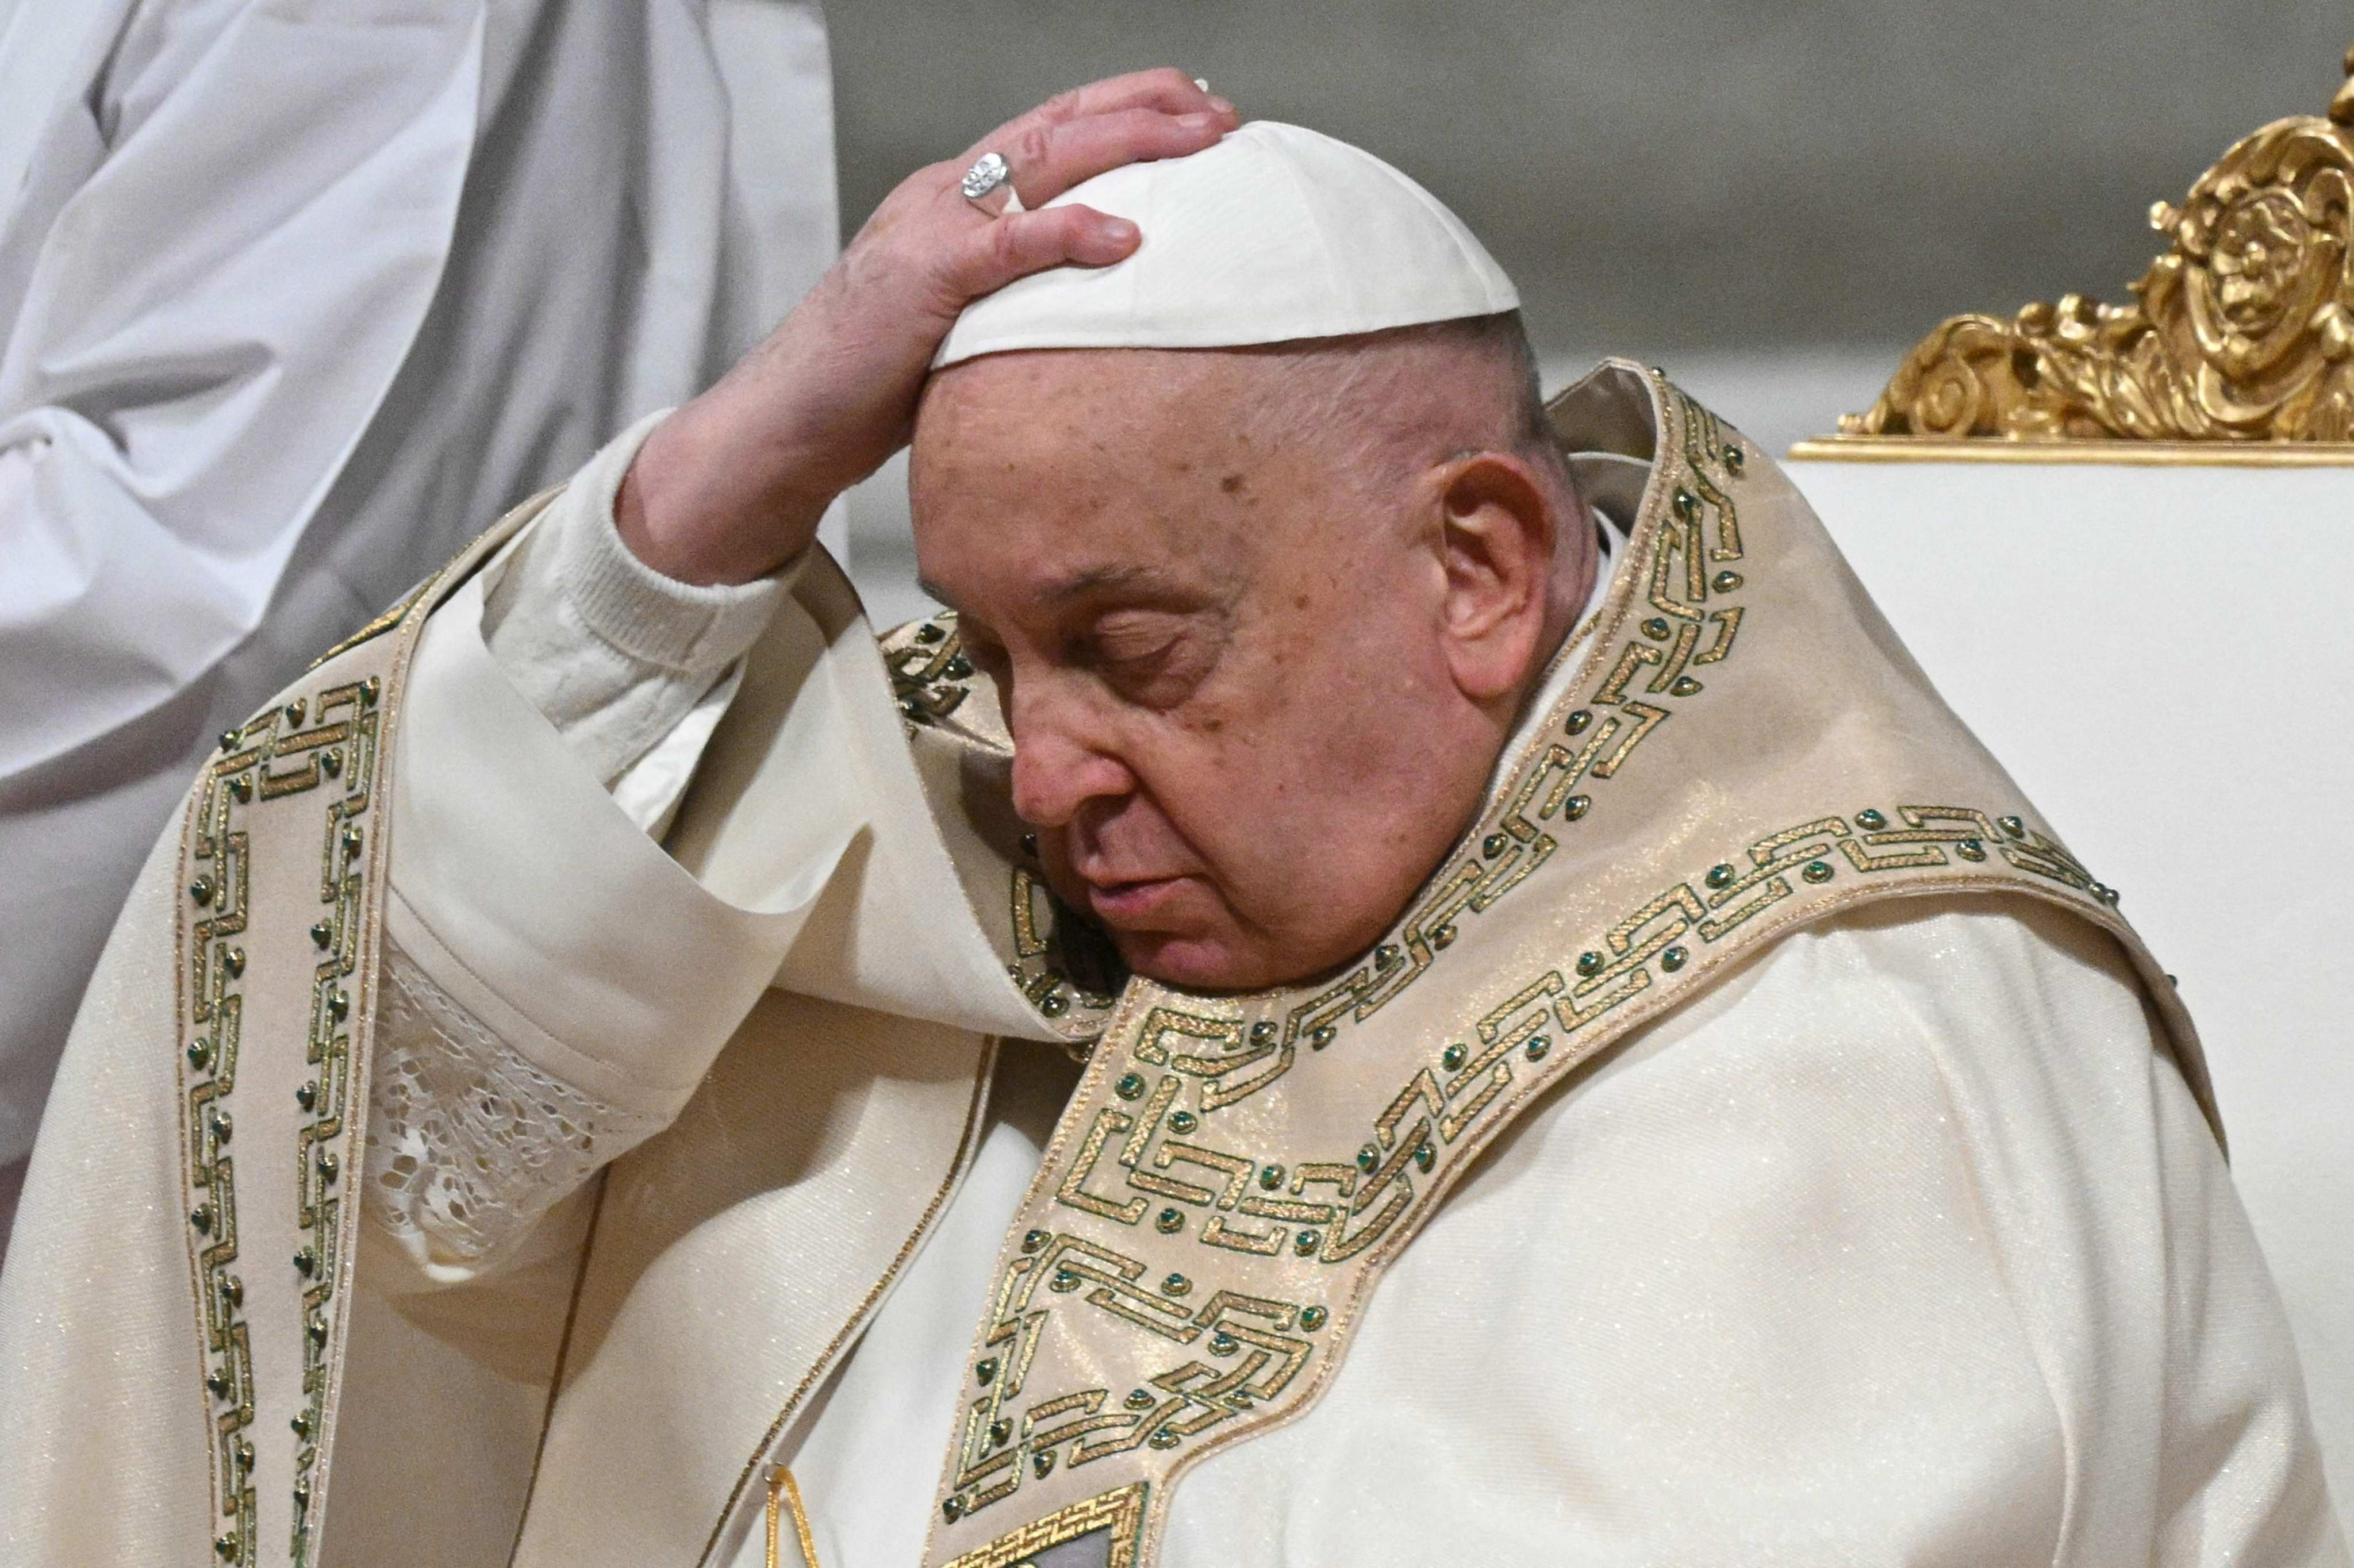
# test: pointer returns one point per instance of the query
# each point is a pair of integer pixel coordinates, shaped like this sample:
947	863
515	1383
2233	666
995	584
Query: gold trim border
2107	453
1120	1511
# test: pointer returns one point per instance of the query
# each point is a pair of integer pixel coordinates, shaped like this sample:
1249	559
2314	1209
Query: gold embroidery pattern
270	758
1121	1512
1257	1334
1049	990
930	669
212	963
344	747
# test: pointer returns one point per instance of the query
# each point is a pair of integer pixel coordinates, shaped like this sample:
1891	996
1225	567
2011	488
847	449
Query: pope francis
1414	977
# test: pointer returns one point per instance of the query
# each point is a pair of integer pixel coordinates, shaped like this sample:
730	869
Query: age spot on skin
1231	483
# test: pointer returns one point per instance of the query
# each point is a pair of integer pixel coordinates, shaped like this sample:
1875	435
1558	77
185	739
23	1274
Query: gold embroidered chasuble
1743	748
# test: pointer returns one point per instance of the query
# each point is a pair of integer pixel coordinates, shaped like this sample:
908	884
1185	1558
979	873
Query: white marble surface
2163	659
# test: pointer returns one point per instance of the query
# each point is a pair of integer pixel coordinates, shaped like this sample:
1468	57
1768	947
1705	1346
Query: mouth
1136	903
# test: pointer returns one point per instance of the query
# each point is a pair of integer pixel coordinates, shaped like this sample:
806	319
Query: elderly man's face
1227	665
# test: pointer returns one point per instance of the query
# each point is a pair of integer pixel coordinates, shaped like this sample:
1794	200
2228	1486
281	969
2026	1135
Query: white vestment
294	298
1906	1244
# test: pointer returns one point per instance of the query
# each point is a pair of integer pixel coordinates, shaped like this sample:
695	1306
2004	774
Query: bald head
1261	618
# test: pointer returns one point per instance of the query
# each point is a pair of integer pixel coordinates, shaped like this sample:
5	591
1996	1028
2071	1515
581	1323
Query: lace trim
468	1143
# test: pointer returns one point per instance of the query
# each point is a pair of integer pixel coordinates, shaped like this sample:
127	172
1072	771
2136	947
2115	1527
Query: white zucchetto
1275	233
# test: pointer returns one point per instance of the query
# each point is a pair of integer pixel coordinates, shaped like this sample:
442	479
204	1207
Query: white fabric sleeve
632	668
1905	1245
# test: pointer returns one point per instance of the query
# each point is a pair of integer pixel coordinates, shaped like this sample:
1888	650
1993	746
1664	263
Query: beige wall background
1771	197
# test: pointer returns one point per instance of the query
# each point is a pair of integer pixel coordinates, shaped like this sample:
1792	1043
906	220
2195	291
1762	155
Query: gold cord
785	1493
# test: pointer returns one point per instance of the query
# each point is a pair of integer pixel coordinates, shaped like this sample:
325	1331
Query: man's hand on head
731	486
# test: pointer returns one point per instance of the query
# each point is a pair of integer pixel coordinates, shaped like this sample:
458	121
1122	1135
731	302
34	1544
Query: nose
1060	762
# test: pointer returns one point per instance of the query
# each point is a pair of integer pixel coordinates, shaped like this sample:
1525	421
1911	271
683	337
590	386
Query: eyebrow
1079	584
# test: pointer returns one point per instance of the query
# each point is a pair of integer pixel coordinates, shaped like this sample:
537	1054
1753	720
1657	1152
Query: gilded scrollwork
2242	330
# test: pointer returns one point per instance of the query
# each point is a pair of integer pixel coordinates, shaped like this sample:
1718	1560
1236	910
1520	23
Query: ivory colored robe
1952	1275
292	296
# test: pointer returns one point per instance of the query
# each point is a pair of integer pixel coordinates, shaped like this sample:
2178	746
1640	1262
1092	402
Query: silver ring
988	185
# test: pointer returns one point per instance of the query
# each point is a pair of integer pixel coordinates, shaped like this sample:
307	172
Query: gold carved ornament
2239	346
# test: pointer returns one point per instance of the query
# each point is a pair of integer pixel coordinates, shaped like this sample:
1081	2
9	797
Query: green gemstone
1170	1222
1686	504
329	1166
1589	964
201	890
1029	844
1384	957
300	1424
1454	1056
1577	806
1054	1004
1306	1243
1870	820
201	1216
1684	686
1970	848
219	1385
1183	1121
305	1261
294	712
368	690
1535	1049
1368	1156
1727	582
233	1291
241	786
913	710
1271	1177
1720	876
2012	826
984	1369
1162	1439
1042	1462
320	933
1140	1399
307	1095
225	1547
1063	1280
1323	1035
929	631
1175	1284
1130	1087
999	1431
1442	937
1425	1157
958	667
1673	960
339	1004
1734	459
351	838
1222	1344
952	1508
1262	1033
1656	628
233	960
331	763
200	1056
1817	871
317	1329
1312	1318
1494	845
222	1127
1578	721
228	739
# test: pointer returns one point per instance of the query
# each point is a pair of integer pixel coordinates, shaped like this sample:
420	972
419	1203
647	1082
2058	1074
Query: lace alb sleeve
469	1144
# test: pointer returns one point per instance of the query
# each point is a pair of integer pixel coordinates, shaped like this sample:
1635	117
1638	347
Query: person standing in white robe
292	299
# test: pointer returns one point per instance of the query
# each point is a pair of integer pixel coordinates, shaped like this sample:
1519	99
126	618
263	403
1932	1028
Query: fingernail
1198	121
1118	230
1221	105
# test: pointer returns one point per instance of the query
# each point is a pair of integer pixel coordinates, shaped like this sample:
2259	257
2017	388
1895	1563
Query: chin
1191	961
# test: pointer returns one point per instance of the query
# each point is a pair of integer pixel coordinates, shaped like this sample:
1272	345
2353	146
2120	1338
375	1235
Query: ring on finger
988	185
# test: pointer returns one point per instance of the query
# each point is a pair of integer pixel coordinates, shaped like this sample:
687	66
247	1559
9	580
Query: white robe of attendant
293	295
1905	1245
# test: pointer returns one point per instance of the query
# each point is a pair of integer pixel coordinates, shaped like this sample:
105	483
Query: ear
1496	527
